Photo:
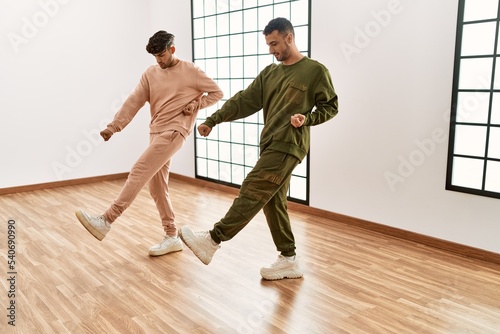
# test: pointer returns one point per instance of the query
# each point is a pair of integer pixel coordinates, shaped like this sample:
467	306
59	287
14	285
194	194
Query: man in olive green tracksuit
287	93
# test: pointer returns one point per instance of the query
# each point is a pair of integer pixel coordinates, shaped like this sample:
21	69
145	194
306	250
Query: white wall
66	67
392	65
394	90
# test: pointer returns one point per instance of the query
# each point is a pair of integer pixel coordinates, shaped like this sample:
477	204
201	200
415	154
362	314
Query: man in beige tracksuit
175	89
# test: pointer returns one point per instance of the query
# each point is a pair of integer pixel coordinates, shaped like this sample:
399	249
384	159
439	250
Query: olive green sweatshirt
282	91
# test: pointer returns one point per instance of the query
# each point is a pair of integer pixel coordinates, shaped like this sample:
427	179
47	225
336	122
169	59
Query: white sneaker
282	268
200	243
96	225
168	245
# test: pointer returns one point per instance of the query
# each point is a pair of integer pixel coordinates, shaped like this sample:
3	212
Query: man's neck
293	59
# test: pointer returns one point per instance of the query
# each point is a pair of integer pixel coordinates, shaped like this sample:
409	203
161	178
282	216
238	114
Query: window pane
225	172
210	48
197	8
301	34
301	168
494	143
210	7
236	67
467	173
238	174
201	148
223	46
282	10
300	13
225	151
213	149
251	155
495	109
201	167
298	187
478	39
237	153
480	10
199	49
493	176
225	131
473	107
265	15
222	6
250	20
251	134
475	73
210	26
251	67
496	84
223	68
470	140
236	22
213	169
252	43
223	24
237	132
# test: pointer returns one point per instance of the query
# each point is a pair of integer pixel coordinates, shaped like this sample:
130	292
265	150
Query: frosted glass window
494	143
475	73
251	66
468	172
479	39
473	107
225	172
225	151
470	140
223	68
210	26
237	154
223	46
474	147
493	177
298	187
480	10
222	25
229	46
495	109
251	44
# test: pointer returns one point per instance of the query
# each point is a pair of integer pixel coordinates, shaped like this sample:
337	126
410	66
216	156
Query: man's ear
172	49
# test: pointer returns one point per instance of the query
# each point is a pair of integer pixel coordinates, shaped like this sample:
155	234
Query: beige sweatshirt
168	91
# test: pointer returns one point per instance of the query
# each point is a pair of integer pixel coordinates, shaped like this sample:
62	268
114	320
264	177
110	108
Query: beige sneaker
168	245
200	243
282	268
96	225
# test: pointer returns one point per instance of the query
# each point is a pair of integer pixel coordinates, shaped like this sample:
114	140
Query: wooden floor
355	281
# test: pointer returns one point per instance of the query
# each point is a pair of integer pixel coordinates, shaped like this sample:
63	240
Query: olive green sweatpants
265	187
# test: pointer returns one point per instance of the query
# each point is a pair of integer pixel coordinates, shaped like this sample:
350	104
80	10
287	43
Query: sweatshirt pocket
296	92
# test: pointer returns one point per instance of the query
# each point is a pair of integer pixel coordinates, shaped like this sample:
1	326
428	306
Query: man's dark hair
281	24
159	42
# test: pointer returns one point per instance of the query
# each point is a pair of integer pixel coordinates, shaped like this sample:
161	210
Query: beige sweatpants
153	167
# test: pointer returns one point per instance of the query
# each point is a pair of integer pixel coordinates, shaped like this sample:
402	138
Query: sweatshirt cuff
209	122
111	128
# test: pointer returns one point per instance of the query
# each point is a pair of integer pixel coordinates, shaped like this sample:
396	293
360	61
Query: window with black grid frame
229	46
474	147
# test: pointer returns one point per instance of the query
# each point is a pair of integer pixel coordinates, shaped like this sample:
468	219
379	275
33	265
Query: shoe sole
187	243
292	274
96	233
164	252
